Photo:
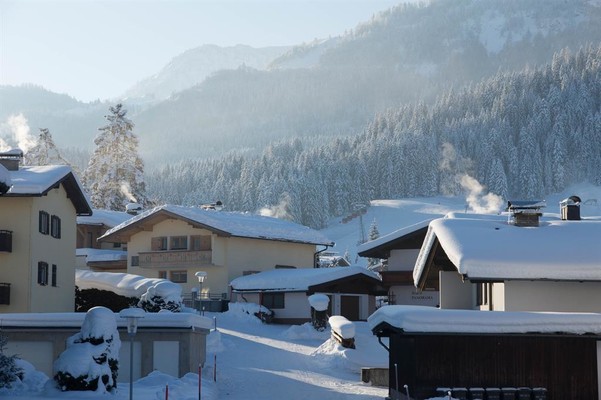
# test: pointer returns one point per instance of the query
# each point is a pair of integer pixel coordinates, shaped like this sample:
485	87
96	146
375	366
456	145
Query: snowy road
258	362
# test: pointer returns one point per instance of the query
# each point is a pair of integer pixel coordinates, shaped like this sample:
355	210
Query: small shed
431	348
352	291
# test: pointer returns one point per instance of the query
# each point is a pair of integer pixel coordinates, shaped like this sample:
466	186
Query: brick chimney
11	159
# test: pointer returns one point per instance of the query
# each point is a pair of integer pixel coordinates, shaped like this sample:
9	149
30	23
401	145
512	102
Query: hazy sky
96	49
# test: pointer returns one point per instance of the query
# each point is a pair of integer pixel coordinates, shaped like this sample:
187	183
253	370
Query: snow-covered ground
258	361
253	361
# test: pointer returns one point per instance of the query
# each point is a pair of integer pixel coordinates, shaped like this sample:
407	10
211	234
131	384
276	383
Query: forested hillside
335	87
522	134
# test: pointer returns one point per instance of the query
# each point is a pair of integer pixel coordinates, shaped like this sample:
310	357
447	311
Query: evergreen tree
9	371
374	233
115	174
44	152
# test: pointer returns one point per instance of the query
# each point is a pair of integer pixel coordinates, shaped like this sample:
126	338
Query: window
273	300
116	245
42	273
55	227
178	276
54	275
159	243
484	294
135	261
162	274
200	243
44	222
179	243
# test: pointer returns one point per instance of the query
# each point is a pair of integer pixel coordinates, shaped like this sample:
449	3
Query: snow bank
305	331
342	326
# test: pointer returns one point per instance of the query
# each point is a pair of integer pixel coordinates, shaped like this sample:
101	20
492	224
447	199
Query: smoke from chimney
278	211
19	129
126	191
479	201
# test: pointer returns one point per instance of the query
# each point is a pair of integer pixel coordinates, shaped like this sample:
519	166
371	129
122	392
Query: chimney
525	213
11	159
133	208
570	208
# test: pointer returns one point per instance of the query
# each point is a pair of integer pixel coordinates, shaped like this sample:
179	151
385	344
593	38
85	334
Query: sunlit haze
98	49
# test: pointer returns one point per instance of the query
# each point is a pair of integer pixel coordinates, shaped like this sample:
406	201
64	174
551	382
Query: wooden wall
565	365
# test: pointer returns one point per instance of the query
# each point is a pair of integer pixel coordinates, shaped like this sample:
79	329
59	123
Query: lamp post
201	275
131	315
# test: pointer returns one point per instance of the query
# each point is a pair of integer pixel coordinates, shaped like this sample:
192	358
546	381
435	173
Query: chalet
525	355
399	250
38	210
186	243
495	262
100	256
285	291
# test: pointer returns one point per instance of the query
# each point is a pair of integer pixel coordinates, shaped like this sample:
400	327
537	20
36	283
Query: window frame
43	222
54	275
274	300
159	243
175	243
42	273
182	273
55	226
135	261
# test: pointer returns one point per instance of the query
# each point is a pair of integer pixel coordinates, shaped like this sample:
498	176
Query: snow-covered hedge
164	295
91	359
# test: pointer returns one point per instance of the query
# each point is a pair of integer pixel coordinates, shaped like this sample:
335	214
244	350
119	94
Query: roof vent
570	208
525	212
11	159
218	206
133	208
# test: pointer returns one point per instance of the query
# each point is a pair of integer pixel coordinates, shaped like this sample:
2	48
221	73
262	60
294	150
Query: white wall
552	296
402	260
454	293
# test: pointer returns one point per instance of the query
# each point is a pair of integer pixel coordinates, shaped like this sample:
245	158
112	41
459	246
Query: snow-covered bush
165	295
91	359
263	313
86	299
10	372
319	310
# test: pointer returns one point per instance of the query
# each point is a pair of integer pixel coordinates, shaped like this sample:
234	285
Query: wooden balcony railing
176	258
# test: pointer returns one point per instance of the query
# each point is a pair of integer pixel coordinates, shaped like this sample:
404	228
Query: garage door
349	307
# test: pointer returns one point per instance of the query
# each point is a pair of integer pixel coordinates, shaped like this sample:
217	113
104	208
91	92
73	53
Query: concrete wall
19	268
42	346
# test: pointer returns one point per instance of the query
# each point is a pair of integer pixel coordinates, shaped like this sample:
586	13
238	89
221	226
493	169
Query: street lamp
131	315
201	275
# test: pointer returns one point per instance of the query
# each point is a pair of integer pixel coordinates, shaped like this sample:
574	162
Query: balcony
177	258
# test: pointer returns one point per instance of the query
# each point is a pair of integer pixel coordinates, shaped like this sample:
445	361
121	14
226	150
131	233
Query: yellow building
176	242
38	210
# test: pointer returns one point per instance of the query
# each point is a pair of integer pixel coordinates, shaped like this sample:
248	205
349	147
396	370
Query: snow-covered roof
391	237
296	279
227	224
420	319
487	247
101	255
75	320
107	218
128	285
39	180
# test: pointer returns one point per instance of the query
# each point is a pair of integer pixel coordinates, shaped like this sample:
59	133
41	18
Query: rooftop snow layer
299	279
38	179
104	217
418	319
236	224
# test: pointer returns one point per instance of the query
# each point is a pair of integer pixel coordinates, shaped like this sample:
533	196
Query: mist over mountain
194	66
327	88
